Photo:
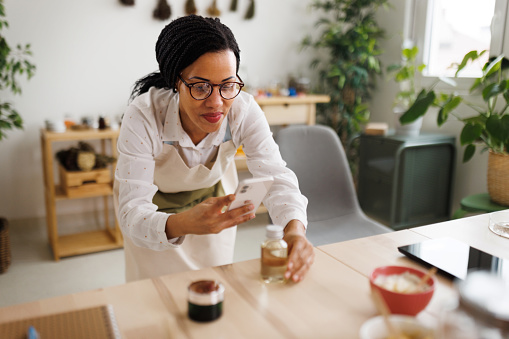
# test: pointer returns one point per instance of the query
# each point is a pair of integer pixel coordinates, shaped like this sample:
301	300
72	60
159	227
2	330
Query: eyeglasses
202	90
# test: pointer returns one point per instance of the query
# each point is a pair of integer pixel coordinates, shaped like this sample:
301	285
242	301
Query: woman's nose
215	98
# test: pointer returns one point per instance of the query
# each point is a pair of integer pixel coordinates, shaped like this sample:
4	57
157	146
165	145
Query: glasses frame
241	84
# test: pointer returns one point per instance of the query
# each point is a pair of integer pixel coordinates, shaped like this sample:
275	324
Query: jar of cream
205	300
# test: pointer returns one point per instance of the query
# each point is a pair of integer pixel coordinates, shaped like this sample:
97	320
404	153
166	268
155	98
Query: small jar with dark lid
205	300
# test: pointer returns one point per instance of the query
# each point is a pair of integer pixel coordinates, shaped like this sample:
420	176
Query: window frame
417	21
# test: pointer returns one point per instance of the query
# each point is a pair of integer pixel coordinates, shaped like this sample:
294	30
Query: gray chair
318	159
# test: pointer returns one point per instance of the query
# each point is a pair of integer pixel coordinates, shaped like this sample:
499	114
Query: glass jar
205	300
274	255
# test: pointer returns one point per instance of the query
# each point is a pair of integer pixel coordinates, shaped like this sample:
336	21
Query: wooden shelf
92	190
88	242
92	184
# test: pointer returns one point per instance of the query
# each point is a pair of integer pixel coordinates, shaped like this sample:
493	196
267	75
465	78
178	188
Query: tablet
454	258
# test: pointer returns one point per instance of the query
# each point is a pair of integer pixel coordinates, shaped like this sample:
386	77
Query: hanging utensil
162	11
213	10
190	7
250	10
233	5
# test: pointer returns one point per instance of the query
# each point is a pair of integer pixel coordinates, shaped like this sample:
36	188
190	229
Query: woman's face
200	117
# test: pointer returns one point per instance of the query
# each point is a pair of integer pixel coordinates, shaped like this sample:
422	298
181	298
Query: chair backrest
318	159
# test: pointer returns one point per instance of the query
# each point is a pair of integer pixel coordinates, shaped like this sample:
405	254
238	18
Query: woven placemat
96	322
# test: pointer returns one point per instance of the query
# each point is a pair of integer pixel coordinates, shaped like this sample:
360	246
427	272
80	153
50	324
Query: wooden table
332	302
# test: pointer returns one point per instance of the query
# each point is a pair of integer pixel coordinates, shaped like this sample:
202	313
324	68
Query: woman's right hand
208	217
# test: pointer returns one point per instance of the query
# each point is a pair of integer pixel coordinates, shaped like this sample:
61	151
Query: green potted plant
487	128
350	36
13	63
404	74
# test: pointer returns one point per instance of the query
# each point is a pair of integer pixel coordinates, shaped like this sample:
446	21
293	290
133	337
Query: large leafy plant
404	73
350	35
489	126
13	64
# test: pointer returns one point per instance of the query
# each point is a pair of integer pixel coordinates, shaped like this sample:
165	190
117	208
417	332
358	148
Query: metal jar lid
205	292
485	296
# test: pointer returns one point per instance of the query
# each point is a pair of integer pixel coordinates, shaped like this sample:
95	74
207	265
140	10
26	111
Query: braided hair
180	44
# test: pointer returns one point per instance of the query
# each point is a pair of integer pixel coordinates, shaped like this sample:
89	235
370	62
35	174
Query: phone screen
454	258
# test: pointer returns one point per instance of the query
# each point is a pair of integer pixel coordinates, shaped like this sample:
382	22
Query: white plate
375	328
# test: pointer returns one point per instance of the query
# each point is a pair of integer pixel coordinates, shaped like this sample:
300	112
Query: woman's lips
212	117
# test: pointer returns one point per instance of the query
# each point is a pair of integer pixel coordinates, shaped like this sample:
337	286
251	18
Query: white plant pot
413	129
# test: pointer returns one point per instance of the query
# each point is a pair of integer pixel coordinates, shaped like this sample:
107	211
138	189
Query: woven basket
5	246
498	178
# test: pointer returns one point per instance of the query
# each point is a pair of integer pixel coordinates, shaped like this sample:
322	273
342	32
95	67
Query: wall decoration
233	6
190	7
250	10
213	10
162	11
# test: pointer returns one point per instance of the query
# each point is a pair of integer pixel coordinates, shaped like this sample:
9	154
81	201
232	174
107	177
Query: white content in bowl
401	283
409	328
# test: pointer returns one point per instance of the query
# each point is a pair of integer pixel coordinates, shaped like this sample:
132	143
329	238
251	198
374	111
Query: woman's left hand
301	254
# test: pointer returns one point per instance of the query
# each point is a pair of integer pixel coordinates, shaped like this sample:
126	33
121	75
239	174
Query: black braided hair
180	44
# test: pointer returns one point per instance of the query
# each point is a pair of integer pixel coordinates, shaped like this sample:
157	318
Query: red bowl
403	303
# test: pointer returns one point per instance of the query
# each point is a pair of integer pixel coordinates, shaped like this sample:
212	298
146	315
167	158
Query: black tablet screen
454	258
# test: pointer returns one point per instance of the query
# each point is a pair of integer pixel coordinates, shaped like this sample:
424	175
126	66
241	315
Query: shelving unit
86	242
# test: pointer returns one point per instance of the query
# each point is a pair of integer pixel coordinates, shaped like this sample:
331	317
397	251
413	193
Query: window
445	30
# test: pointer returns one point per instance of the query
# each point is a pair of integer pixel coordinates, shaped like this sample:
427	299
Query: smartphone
253	190
454	259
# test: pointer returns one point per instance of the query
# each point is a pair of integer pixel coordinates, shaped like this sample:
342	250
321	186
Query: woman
176	147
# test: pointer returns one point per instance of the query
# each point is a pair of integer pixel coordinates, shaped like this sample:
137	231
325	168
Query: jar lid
274	232
205	292
486	297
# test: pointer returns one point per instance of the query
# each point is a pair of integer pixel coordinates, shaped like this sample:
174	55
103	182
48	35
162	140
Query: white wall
89	53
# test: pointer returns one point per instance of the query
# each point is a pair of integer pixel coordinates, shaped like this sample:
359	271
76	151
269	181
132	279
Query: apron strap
182	201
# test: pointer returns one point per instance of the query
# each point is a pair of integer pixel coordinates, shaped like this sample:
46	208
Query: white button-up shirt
153	118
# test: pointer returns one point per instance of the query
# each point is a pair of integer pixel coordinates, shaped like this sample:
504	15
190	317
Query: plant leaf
472	55
494	89
493	67
494	128
470	133
419	107
469	153
448	107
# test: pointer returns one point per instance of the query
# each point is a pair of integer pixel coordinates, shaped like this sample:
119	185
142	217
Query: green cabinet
406	181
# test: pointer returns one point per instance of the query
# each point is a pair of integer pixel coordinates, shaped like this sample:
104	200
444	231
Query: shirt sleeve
138	216
284	200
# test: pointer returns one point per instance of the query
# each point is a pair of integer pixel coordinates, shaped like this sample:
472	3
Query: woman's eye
202	87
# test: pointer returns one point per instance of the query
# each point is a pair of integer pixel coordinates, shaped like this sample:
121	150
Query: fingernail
295	278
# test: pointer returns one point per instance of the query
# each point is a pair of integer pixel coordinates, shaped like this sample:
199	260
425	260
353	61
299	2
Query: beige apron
172	175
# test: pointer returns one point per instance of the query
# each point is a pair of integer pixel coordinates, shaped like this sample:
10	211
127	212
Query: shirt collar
173	131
